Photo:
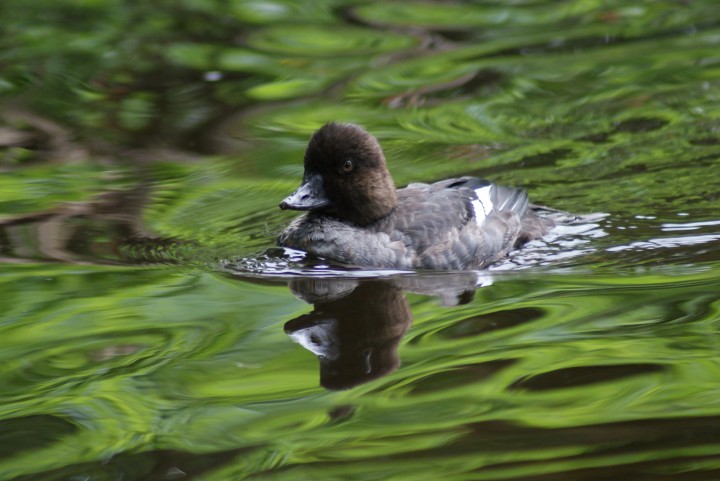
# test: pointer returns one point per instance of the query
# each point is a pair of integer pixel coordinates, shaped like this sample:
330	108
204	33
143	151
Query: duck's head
345	177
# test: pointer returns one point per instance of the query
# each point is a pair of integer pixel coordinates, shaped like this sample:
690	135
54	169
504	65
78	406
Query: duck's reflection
354	329
356	326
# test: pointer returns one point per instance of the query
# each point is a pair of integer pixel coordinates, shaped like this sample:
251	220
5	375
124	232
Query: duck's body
356	216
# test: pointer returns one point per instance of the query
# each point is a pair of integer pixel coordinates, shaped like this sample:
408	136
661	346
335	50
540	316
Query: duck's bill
309	196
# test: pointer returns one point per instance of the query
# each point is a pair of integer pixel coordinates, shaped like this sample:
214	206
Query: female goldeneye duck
356	215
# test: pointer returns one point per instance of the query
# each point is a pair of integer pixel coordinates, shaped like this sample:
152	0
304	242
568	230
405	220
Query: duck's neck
377	201
364	206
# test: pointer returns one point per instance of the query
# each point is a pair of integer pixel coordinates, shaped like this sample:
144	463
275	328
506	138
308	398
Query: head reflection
355	328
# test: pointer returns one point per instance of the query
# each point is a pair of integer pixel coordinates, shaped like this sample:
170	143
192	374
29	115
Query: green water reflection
147	334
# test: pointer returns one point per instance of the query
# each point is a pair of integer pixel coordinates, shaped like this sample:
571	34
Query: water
150	330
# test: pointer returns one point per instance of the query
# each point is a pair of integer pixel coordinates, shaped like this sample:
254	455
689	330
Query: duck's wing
460	223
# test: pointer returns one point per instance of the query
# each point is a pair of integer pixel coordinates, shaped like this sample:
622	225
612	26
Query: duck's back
464	223
460	223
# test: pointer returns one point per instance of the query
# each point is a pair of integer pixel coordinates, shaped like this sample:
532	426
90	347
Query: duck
354	214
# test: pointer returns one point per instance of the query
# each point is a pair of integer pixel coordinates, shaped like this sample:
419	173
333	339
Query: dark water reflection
354	330
356	325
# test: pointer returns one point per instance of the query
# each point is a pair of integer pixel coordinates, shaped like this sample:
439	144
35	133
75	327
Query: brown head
345	177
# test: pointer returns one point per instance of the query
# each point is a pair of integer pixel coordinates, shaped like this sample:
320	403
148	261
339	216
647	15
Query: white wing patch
482	206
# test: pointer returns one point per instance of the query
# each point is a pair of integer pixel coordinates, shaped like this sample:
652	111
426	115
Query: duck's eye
347	166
